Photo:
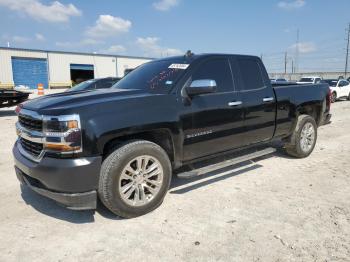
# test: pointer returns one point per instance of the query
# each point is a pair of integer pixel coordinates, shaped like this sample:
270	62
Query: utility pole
261	56
296	69
347	52
285	63
292	66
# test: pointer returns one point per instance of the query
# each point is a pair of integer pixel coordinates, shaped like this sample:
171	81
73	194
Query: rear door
347	88
216	119
258	100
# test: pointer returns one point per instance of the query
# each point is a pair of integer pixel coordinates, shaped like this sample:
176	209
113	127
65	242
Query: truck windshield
306	79
157	76
83	85
331	82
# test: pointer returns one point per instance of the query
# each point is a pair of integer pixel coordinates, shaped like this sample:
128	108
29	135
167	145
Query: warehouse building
56	69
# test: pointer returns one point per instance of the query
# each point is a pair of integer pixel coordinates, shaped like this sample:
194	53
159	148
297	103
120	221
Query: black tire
111	172
334	97
294	148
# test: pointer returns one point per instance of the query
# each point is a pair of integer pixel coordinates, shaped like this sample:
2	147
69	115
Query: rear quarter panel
291	100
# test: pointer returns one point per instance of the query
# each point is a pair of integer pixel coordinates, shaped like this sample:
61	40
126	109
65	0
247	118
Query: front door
344	88
216	119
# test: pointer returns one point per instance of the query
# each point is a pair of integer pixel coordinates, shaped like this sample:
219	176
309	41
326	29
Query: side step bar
206	169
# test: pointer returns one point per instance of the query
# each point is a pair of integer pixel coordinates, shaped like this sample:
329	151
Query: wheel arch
313	110
162	137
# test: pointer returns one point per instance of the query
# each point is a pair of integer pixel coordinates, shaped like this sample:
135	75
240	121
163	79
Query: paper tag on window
179	66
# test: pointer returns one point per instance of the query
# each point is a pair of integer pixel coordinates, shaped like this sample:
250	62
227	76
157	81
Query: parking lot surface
275	209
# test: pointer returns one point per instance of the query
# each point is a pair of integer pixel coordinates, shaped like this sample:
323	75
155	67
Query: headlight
62	134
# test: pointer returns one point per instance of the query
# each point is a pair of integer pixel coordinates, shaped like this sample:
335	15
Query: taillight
329	99
18	108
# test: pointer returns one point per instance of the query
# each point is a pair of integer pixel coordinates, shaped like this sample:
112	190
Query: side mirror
199	87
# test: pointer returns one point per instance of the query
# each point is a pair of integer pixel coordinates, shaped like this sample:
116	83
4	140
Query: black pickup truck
10	97
121	144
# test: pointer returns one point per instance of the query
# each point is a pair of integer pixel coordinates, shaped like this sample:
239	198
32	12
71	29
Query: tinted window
251	74
89	84
218	70
306	79
330	82
105	83
343	83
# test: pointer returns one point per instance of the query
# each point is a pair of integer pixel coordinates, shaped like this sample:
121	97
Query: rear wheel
135	178
304	137
334	97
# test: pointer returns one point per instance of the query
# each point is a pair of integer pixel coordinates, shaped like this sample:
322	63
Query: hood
70	100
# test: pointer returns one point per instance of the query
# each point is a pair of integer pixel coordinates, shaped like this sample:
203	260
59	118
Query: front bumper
71	182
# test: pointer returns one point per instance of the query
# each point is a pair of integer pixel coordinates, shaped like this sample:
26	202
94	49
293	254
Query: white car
310	80
339	88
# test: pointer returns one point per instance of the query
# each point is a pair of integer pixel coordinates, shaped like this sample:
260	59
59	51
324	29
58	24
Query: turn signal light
61	148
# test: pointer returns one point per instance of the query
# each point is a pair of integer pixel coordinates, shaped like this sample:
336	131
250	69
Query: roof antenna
189	53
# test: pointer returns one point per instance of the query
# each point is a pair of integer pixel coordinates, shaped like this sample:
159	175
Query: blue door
29	72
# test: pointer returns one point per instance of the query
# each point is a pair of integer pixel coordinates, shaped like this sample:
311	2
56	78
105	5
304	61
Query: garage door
29	72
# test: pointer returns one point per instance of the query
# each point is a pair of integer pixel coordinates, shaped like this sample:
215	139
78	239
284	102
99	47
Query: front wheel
135	178
304	137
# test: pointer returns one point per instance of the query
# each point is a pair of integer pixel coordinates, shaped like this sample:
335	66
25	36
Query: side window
106	83
218	70
251	74
318	80
344	83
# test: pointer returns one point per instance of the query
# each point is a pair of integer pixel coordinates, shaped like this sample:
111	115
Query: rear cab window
251	74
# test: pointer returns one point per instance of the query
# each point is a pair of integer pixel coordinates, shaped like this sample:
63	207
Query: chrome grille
31	147
30	123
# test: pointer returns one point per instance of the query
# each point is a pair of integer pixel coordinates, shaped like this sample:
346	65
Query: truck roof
203	55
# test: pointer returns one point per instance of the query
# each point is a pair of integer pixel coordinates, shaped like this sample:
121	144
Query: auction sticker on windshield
179	66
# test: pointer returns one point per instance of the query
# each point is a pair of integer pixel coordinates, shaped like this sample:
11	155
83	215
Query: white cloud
107	25
165	5
113	49
304	48
151	47
39	37
291	5
81	43
54	12
20	39
15	39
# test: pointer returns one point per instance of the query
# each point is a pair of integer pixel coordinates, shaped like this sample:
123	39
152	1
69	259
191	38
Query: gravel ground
275	209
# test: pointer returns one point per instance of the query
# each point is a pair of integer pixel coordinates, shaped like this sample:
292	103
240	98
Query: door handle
235	103
268	99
